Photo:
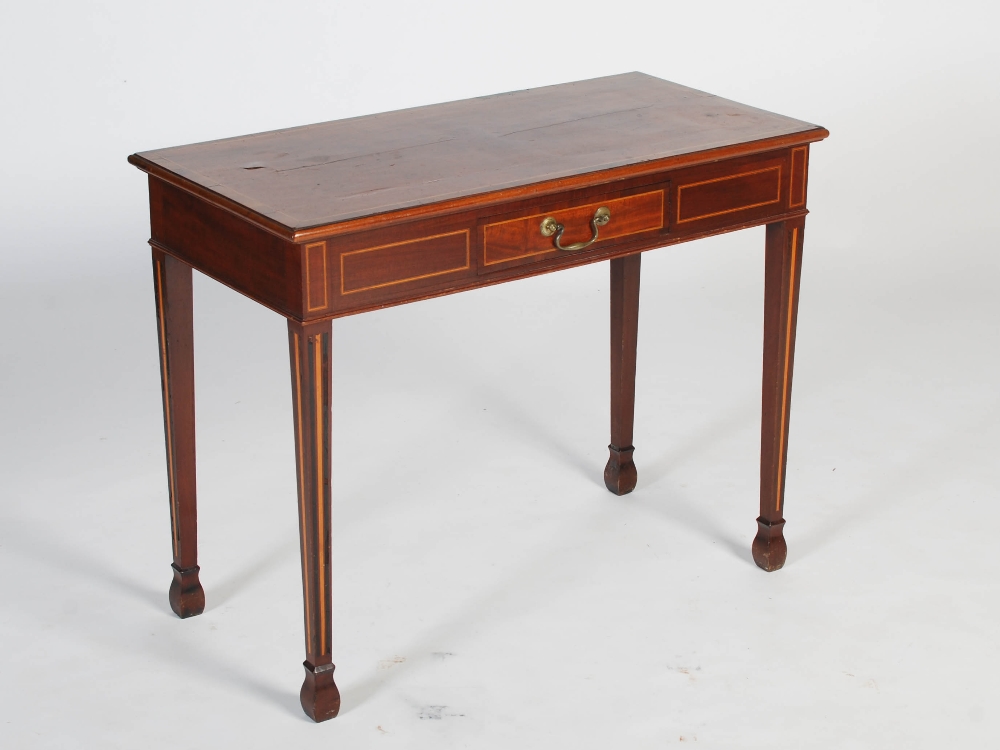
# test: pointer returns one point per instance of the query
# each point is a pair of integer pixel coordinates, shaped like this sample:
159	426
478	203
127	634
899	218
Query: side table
343	217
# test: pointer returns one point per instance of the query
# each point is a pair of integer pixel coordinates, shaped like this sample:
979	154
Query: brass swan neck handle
551	227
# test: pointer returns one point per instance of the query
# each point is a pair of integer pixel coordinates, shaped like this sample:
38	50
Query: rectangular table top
331	172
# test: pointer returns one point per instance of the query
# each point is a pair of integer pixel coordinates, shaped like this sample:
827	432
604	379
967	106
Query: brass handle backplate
552	227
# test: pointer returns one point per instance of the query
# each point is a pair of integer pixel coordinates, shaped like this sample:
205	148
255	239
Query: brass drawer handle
552	227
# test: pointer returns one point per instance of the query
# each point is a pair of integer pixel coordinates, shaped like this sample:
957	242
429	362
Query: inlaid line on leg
167	420
782	441
320	498
300	474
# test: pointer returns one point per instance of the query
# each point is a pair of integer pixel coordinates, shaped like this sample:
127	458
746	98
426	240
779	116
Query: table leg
309	350
175	329
782	271
619	474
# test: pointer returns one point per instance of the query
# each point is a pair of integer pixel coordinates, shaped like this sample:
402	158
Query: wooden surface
306	177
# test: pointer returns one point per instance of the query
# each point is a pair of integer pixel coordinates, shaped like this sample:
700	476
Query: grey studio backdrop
488	591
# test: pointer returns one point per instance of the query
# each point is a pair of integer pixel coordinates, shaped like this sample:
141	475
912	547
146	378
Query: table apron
351	273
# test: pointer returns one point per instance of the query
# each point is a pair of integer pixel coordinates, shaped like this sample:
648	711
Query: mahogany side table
342	217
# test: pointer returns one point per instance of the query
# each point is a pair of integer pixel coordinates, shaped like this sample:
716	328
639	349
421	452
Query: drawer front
383	266
404	262
729	193
520	240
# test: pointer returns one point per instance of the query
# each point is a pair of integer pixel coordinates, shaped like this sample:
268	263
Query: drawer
522	239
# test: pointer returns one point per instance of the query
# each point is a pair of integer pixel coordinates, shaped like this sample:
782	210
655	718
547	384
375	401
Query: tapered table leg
309	350
619	474
175	329
783	266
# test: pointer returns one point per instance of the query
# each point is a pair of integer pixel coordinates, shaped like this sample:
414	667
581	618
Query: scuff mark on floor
389	663
436	713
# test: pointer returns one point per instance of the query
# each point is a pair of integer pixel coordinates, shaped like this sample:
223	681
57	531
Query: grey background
488	590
